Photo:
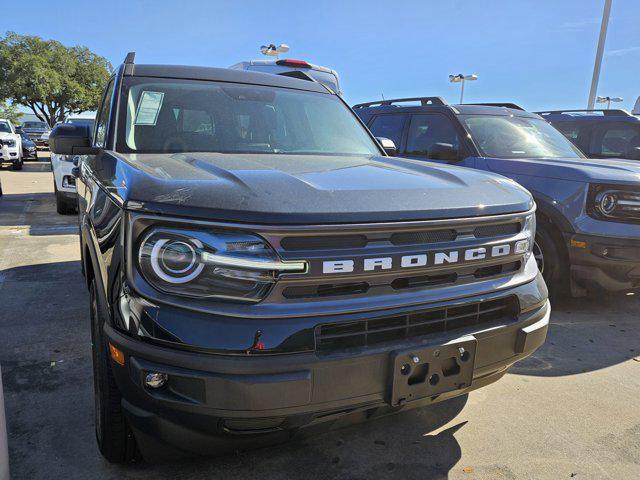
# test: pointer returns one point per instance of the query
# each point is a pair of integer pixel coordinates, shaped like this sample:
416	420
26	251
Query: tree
49	78
9	111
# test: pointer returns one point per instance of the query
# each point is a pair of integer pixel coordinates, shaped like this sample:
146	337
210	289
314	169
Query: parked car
256	264
29	148
62	166
323	75
599	133
38	132
588	216
10	145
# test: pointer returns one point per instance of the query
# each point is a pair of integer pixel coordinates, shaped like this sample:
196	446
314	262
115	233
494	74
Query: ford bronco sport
257	264
588	211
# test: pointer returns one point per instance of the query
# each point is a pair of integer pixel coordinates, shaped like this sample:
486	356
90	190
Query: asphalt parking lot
570	411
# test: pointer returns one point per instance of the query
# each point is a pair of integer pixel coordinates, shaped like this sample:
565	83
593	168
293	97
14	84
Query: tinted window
615	140
571	131
196	116
425	131
4	127
103	117
35	125
388	126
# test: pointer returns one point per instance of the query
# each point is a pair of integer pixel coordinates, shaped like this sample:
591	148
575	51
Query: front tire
17	165
113	434
547	250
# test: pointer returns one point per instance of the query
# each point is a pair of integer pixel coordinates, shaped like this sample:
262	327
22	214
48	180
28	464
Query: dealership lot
571	411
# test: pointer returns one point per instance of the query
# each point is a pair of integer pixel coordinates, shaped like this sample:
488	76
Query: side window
388	126
571	131
102	121
430	135
615	140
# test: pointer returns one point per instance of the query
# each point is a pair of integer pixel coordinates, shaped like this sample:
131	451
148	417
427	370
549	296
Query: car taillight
293	63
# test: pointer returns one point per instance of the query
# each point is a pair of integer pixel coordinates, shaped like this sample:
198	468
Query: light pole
460	78
272	51
608	100
596	67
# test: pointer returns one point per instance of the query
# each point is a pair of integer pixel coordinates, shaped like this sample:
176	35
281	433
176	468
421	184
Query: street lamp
272	51
460	78
608	100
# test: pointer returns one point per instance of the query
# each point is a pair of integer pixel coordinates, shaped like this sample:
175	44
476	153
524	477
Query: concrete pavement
570	411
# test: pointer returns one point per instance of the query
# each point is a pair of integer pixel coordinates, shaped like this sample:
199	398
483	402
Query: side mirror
443	151
633	153
69	139
388	146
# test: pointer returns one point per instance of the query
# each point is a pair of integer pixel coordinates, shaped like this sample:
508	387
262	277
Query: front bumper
9	155
604	263
215	403
30	155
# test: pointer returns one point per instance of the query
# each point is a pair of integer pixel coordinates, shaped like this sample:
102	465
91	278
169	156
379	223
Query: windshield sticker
149	108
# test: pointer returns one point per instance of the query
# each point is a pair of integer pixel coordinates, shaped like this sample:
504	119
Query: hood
588	170
9	135
299	189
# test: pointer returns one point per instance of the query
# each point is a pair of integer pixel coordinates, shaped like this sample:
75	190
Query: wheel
64	206
113	434
547	250
17	165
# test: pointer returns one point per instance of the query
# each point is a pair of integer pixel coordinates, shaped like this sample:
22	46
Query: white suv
63	178
10	145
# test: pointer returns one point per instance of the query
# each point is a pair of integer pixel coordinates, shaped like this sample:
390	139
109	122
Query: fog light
155	379
522	246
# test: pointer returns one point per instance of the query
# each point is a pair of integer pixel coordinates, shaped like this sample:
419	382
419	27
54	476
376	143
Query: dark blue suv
599	133
588	211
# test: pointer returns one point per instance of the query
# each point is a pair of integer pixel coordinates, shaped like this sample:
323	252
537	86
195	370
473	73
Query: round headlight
176	260
606	202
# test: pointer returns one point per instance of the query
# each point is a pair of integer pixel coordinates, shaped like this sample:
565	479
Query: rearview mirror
69	139
388	146
633	153
443	151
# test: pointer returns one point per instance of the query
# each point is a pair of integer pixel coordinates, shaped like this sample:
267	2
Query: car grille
374	331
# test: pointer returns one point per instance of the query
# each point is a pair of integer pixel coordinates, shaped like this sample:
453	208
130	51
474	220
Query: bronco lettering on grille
417	260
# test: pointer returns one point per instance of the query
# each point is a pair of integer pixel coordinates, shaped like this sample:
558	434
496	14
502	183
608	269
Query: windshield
35	125
195	116
4	127
518	137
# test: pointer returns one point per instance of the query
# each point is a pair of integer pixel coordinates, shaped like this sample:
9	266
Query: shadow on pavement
397	446
587	334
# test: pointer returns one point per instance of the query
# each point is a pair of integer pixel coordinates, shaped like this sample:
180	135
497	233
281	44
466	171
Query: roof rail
424	101
498	104
130	59
612	112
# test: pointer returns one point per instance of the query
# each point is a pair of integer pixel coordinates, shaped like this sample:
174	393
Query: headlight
529	230
227	265
9	142
614	203
69	158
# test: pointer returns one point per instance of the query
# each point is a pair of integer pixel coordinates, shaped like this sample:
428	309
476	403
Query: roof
220	75
590	116
462	109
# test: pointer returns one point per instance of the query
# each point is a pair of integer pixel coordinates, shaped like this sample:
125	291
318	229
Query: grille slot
327	290
431	236
338	336
500	230
324	241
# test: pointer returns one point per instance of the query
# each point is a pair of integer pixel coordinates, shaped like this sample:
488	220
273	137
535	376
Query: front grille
500	230
422	237
429	236
338	336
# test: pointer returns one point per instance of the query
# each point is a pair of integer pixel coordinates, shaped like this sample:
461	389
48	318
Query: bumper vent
338	336
500	230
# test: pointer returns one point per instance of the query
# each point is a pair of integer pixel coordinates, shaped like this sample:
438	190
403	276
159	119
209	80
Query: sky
537	53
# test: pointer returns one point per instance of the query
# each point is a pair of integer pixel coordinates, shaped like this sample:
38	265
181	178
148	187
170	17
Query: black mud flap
431	371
